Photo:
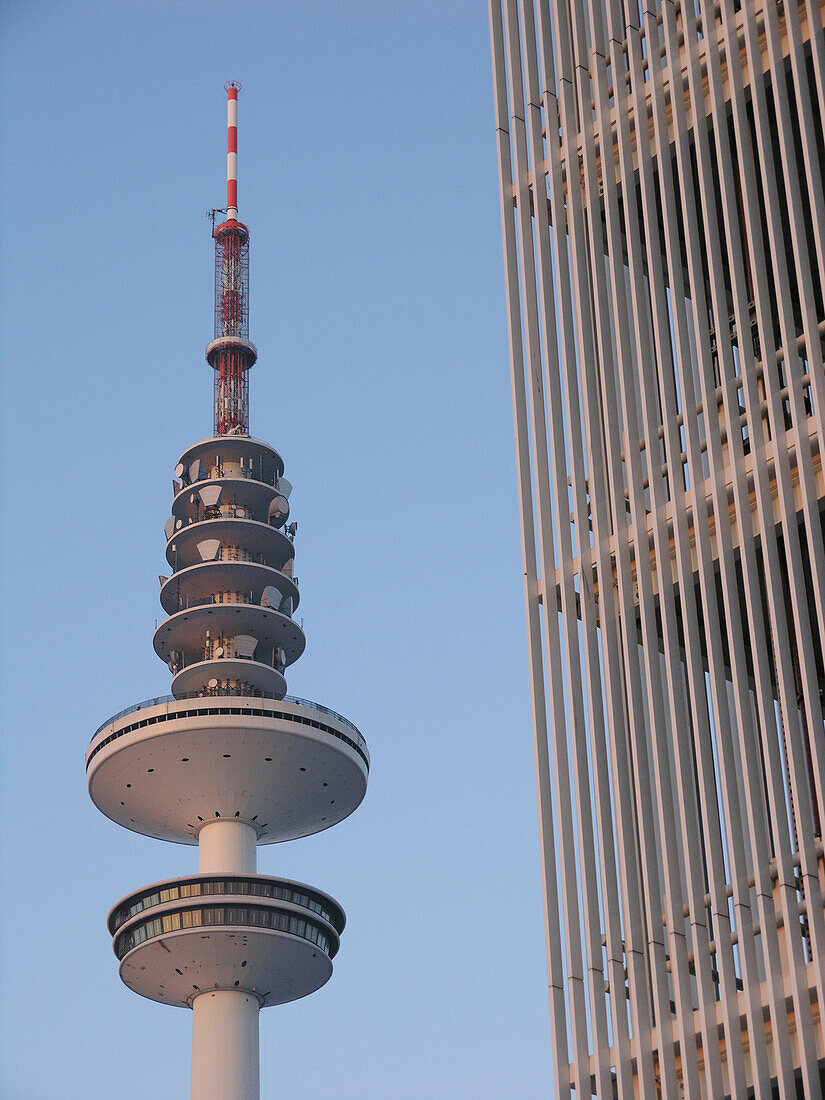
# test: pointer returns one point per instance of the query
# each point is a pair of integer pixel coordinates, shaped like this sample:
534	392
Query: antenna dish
278	511
208	549
245	645
210	495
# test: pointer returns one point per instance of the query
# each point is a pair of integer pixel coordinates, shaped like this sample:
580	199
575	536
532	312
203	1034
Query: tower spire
231	353
232	89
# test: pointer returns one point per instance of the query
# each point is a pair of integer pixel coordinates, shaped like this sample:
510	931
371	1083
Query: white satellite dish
219	651
180	470
169	527
213	683
278	511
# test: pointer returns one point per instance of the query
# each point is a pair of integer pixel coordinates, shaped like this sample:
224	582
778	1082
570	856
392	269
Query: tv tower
228	760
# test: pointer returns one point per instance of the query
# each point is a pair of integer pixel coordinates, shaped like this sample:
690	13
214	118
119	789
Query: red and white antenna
231	353
232	89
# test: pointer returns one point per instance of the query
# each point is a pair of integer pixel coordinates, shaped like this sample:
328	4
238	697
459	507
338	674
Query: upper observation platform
287	767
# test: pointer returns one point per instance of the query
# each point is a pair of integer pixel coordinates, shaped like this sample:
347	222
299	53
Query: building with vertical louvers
661	173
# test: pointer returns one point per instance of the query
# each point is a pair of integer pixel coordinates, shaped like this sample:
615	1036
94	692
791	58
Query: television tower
228	760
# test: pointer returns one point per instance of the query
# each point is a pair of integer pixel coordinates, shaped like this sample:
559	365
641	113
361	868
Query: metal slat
552	918
783	628
759	635
587	712
568	838
705	764
730	765
623	788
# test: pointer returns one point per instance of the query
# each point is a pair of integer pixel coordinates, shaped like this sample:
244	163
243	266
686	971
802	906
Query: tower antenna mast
231	353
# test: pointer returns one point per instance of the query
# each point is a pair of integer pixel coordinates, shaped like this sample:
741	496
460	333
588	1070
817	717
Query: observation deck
271	937
287	767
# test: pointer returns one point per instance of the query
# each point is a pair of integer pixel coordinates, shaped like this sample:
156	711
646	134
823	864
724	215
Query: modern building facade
661	171
228	760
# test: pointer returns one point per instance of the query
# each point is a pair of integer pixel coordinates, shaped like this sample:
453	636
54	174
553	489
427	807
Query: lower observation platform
167	766
270	937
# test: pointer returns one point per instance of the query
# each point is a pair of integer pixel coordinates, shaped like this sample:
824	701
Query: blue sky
367	177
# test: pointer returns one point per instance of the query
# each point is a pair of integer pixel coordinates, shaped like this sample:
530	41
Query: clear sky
367	172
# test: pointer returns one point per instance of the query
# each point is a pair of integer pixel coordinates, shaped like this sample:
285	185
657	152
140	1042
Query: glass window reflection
221	915
256	888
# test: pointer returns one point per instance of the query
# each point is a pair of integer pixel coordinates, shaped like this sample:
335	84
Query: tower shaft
225	1046
225	1025
227	846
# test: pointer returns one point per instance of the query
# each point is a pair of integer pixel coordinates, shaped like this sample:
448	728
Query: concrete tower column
225	1044
226	845
225	1048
